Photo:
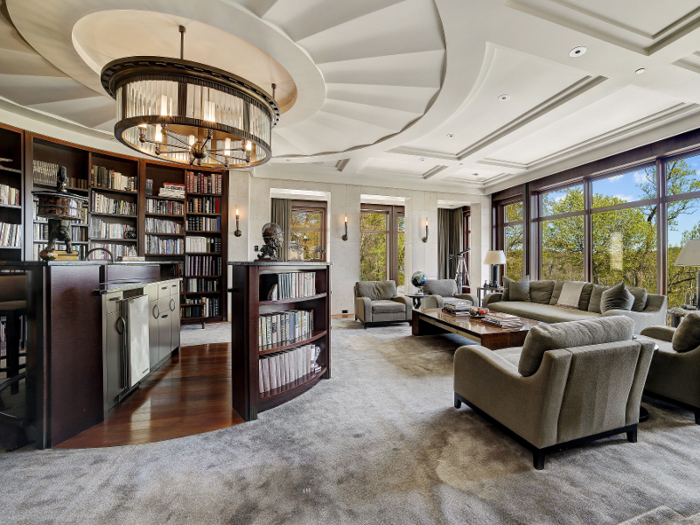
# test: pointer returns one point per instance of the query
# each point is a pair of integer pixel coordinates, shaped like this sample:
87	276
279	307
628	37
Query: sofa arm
432	301
491	298
529	406
409	305
466	297
363	309
641	320
662	333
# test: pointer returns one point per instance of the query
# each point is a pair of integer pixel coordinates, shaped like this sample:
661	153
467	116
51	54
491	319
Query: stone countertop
131	284
36	264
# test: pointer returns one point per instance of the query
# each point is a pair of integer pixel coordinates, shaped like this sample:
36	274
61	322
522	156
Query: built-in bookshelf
280	332
11	194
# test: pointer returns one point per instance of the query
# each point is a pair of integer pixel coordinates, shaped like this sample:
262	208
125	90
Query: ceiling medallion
189	113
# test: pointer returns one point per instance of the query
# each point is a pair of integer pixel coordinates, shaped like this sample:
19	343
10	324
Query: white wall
252	195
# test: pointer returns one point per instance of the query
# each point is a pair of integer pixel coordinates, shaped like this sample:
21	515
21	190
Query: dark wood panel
75	367
189	395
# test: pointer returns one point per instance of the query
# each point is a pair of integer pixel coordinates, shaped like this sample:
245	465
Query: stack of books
172	190
503	320
109	179
457	307
284	368
9	195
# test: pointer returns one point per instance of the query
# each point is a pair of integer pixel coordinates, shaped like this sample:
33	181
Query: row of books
35	216
79	250
100	229
503	320
47	173
204	224
113	180
204	205
3	337
118	250
203	245
103	204
10	235
290	285
211	307
77	233
165	207
202	183
163	245
205	265
277	370
284	327
172	190
163	226
9	195
201	285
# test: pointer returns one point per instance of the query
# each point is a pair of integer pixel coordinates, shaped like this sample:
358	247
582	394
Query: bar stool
13	305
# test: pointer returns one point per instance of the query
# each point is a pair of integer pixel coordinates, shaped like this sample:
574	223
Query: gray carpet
194	334
378	443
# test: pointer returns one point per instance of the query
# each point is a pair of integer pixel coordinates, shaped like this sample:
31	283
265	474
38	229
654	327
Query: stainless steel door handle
123	325
156	311
172	305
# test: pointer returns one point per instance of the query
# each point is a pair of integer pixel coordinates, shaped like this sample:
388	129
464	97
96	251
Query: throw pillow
544	337
640	298
687	336
541	291
556	292
520	291
570	294
594	303
616	298
505	296
585	297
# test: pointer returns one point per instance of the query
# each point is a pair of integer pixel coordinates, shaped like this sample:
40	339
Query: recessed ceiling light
577	51
450	135
288	160
461	163
475	174
503	97
421	159
640	71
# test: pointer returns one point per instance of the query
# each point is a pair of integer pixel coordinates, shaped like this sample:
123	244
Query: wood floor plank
189	395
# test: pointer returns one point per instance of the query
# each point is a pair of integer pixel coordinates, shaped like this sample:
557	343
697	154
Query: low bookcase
251	299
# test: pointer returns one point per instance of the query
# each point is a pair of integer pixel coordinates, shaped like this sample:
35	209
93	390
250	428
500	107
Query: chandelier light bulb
249	146
163	106
158	134
227	147
191	140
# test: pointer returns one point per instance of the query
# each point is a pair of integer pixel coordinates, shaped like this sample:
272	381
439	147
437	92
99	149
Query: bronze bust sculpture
274	240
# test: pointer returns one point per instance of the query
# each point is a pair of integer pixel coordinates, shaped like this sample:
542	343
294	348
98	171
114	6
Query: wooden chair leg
538	458
458	403
632	436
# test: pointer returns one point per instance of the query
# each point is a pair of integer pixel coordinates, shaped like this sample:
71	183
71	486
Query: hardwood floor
189	395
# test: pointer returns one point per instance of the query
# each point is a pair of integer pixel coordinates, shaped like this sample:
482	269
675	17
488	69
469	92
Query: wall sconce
345	237
425	239
238	232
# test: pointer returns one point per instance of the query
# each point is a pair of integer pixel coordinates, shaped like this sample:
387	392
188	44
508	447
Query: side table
416	298
677	314
486	290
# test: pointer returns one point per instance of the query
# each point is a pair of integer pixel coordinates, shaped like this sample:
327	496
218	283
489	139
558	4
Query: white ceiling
401	91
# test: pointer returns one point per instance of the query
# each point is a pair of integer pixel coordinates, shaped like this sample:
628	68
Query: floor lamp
495	258
690	256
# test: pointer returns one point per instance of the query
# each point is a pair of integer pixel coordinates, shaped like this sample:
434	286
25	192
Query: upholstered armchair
378	302
436	291
571	382
675	369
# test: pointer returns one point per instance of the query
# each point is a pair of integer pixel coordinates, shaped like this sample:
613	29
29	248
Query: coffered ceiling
469	95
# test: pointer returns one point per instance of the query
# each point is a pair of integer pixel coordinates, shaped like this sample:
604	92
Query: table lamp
495	258
690	256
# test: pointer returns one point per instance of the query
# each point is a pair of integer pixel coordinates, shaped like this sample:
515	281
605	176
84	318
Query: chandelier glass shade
189	113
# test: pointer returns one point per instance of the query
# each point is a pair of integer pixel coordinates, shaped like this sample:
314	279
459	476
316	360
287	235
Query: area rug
194	334
380	442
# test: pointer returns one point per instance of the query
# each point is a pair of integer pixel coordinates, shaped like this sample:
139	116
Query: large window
307	227
562	234
382	243
513	239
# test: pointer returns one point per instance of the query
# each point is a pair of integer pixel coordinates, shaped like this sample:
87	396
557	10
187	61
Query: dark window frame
311	206
392	235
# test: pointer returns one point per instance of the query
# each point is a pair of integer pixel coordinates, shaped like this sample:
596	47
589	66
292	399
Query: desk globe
419	280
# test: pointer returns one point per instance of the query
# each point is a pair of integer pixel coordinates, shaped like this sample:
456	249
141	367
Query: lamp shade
495	257
690	254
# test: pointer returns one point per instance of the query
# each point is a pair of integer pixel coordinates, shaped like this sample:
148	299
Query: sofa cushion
443	287
585	298
542	338
384	306
516	290
556	292
596	292
617	297
570	294
512	355
541	312
376	290
541	291
687	336
640	298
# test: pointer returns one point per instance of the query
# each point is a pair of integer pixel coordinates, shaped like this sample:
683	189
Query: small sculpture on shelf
274	240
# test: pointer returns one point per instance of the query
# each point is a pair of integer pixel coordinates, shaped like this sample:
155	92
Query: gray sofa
570	383
378	302
438	289
544	295
675	368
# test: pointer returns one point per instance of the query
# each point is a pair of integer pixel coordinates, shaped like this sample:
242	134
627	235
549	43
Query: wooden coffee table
435	321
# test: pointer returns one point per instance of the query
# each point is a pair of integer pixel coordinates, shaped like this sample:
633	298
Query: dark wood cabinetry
248	302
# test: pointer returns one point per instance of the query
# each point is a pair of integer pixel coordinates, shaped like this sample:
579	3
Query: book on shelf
10	235
163	245
101	229
172	190
203	265
281	369
113	180
162	226
104	204
204	205
289	285
203	245
149	186
47	173
210	307
118	250
77	234
62	255
165	207
9	195
200	284
204	183
284	327
204	224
